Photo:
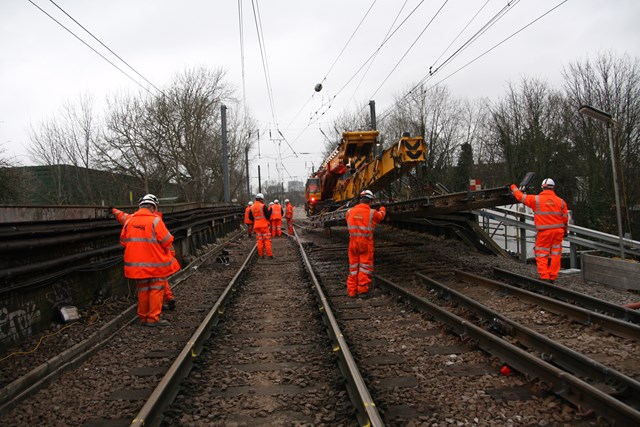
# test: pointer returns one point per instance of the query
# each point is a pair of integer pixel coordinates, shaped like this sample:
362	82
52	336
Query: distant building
293	186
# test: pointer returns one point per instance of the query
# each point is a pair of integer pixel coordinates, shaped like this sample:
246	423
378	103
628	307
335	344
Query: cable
263	55
430	74
409	49
312	120
348	41
90	47
241	31
107	47
376	54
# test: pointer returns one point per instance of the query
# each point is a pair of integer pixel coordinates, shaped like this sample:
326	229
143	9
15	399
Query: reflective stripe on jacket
549	210
259	214
276	211
120	216
362	219
148	247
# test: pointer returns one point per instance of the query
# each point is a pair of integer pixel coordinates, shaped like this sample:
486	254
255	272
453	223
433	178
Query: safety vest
259	219
289	211
549	210
247	220
361	220
276	211
120	216
148	247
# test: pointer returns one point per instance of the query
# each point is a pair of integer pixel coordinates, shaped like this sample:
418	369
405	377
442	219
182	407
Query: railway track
594	385
278	342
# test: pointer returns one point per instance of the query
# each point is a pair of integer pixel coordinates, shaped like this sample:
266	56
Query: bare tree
526	130
15	182
176	137
68	139
611	83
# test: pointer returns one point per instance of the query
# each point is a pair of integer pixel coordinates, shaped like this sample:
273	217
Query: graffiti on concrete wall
58	294
18	323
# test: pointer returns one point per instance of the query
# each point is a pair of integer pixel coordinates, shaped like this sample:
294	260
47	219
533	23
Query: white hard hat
148	199
548	183
250	203
286	200
259	196
367	193
276	201
270	203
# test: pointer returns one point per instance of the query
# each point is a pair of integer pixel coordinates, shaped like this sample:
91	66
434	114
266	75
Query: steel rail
560	382
151	413
72	357
625	389
558	292
587	317
367	412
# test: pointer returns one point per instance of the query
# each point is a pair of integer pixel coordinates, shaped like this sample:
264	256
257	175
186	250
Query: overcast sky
42	66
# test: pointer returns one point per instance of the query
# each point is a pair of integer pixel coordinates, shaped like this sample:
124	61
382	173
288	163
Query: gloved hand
513	187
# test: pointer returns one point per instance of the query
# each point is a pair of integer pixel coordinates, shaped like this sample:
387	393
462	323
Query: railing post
523	236
573	252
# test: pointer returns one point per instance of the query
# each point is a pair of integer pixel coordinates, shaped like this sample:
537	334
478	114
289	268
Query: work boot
171	304
160	323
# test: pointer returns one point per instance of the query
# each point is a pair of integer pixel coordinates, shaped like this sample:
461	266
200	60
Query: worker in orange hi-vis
248	220
276	219
169	299
288	214
148	258
551	218
260	215
361	221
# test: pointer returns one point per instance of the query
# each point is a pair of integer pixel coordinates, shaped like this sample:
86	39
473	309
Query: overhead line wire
477	57
334	62
313	120
90	47
409	49
376	54
106	47
241	33
263	55
348	41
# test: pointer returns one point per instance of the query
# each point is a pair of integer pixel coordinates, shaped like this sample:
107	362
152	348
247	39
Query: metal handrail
578	236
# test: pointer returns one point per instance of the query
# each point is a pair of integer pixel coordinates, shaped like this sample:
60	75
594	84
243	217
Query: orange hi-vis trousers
150	295
549	248
276	227
360	266
263	240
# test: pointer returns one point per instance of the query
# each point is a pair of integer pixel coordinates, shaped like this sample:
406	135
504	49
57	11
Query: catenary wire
348	41
474	59
106	47
90	47
315	117
263	55
241	32
409	49
376	54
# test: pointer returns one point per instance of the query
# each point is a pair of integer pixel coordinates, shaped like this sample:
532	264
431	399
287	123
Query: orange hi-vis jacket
120	216
247	220
549	210
259	214
276	211
148	247
362	219
288	213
